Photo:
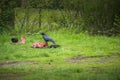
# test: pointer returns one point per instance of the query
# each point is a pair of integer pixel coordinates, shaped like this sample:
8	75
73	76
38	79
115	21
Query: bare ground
14	63
13	75
81	57
10	76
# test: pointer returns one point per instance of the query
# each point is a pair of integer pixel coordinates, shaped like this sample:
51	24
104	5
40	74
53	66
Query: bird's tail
53	42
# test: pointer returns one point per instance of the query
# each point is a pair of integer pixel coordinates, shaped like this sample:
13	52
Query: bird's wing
46	38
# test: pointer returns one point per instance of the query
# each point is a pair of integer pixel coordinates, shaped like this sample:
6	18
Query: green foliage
94	17
7	16
50	20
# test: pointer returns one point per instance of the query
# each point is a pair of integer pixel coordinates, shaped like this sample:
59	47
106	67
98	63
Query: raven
47	39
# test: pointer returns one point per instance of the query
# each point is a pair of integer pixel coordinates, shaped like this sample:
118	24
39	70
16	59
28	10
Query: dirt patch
10	76
78	58
14	63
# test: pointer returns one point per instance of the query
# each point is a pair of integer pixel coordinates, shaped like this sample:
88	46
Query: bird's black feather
47	39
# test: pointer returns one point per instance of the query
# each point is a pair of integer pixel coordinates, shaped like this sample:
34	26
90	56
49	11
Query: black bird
14	40
47	39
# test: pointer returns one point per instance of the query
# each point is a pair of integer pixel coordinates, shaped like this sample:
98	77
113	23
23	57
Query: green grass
20	62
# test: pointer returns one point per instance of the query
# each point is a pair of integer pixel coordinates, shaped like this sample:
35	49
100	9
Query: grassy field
80	57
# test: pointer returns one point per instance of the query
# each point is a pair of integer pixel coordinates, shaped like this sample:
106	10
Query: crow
47	39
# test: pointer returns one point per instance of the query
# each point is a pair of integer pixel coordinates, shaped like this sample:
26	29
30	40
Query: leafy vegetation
95	17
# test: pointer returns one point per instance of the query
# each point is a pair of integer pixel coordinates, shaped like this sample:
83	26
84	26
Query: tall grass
51	20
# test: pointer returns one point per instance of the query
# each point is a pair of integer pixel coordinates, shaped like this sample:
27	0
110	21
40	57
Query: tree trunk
39	17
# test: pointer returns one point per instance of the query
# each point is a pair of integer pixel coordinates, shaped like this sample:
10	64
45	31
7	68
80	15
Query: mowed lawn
79	57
